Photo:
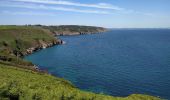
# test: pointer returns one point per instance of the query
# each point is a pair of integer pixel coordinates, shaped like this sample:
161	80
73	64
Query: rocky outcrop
42	45
67	33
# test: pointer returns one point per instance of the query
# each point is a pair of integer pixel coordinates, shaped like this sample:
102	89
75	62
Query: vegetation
15	40
19	38
24	84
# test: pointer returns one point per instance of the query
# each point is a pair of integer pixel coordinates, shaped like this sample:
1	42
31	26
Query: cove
119	62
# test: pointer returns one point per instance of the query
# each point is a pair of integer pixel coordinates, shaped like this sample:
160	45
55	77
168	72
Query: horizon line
85	25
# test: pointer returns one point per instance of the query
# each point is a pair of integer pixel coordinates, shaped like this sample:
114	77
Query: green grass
22	84
23	37
15	40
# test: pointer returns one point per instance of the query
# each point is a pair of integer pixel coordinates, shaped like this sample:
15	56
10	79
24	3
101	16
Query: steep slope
18	39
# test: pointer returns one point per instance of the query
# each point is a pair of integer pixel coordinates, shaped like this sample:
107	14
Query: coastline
77	33
39	43
48	45
43	45
19	41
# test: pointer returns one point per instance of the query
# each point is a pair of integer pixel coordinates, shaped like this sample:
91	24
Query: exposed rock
42	45
75	33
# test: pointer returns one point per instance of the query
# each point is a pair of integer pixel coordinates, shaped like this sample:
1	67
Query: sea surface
119	62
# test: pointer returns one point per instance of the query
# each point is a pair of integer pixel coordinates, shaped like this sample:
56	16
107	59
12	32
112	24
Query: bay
119	62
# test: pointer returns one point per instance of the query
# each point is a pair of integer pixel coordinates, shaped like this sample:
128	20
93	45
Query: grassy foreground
22	84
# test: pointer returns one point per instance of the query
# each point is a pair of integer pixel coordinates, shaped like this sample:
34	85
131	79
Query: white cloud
44	7
62	2
102	8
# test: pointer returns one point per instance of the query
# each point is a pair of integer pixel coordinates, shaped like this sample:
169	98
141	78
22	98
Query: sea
119	62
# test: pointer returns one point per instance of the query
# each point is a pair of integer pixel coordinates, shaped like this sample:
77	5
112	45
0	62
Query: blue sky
106	13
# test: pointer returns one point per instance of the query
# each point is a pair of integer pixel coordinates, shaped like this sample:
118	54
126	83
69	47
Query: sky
105	13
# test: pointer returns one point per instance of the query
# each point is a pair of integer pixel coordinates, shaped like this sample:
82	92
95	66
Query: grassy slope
23	37
16	39
27	85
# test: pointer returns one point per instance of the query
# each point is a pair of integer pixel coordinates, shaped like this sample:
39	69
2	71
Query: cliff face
41	45
63	33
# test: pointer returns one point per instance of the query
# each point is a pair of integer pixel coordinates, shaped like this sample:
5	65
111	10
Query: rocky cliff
73	29
42	45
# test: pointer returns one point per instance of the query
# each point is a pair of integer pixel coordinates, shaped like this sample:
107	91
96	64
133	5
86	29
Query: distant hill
73	29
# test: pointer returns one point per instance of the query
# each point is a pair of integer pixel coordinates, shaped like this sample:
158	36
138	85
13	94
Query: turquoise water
118	62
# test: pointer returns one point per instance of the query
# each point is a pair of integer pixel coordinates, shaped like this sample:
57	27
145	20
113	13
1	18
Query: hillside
17	39
24	84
